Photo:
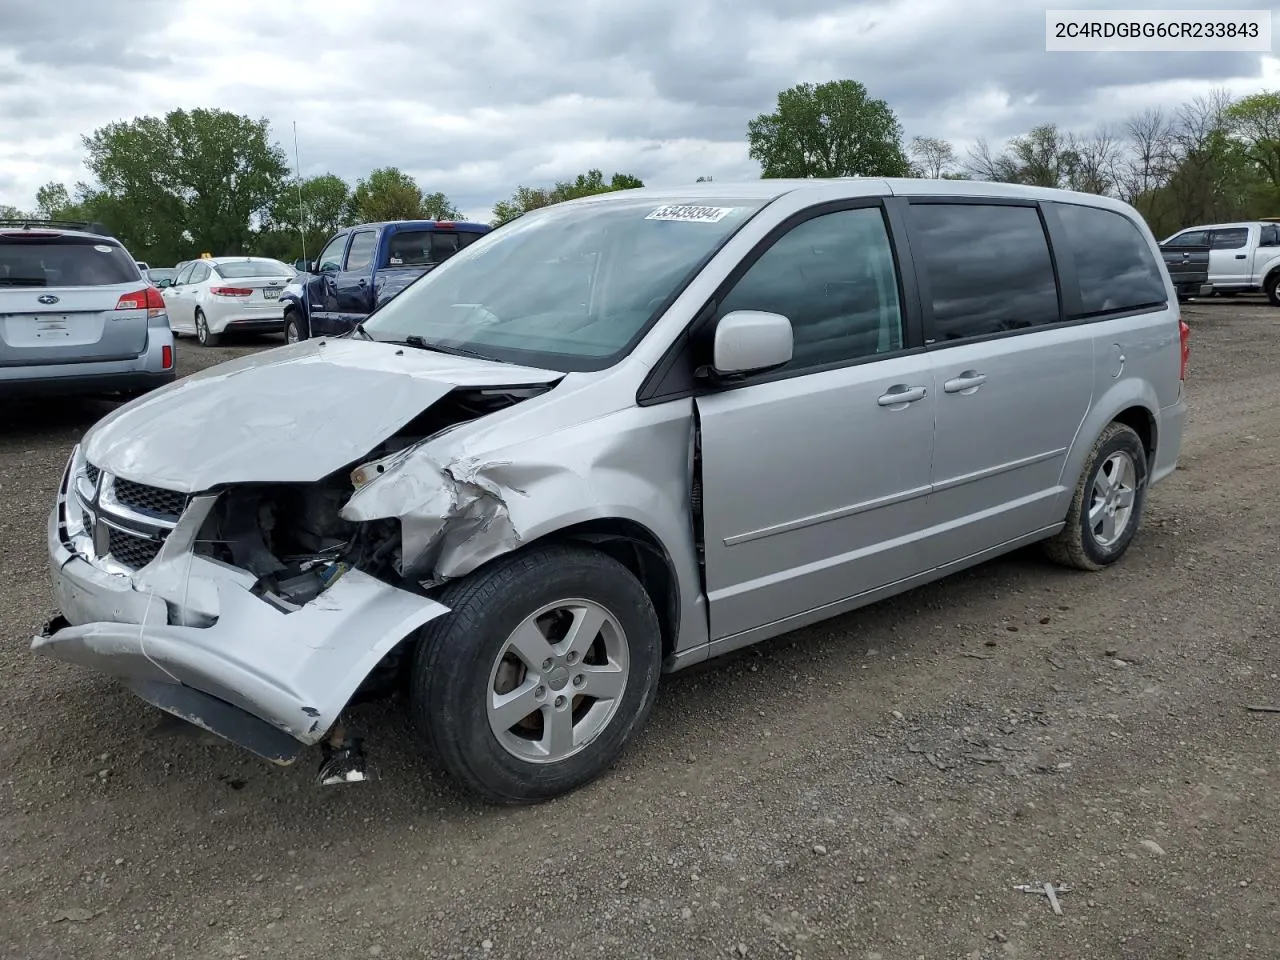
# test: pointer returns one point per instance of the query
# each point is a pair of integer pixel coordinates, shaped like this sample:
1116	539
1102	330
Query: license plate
271	293
49	329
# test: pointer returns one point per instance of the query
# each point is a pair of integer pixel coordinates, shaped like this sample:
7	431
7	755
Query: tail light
166	357
231	291
148	298
1184	341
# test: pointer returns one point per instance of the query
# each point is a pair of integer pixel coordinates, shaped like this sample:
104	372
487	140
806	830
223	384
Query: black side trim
217	716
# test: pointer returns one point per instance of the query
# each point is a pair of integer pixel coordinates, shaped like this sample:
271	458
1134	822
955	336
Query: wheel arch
638	549
1131	402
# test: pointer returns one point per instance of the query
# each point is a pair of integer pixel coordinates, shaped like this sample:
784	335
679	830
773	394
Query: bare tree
1150	159
1092	163
985	165
1198	186
931	157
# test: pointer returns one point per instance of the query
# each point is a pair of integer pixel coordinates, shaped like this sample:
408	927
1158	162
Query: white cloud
474	99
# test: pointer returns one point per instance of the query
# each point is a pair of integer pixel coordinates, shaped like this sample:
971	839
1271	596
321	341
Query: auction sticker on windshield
690	214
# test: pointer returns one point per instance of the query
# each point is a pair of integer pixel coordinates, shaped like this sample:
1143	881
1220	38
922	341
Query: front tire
294	329
1272	289
542	674
206	337
1107	507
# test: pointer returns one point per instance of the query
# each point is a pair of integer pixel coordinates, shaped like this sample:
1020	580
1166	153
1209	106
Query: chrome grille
131	550
153	501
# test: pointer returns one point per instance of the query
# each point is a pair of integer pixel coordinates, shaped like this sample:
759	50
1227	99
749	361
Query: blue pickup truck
364	266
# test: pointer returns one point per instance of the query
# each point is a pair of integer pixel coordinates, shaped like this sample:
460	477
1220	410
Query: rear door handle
899	395
968	381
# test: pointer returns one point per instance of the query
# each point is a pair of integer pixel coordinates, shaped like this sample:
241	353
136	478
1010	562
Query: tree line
172	187
1213	159
202	180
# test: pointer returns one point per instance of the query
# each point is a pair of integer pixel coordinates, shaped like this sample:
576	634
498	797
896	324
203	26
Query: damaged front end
257	610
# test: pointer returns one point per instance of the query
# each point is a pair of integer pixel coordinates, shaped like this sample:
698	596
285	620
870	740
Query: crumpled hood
293	414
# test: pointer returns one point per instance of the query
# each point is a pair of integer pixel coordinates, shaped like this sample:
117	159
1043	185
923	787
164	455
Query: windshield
416	248
568	288
253	268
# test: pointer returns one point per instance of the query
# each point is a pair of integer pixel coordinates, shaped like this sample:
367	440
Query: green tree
304	216
1255	123
11	213
828	130
389	193
436	206
188	180
584	185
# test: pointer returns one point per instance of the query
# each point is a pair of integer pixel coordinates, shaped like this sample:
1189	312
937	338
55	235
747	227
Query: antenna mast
302	210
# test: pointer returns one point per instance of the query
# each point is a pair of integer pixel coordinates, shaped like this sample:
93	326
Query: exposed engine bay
293	537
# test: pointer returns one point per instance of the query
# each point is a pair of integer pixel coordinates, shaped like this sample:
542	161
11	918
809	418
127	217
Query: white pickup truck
1243	257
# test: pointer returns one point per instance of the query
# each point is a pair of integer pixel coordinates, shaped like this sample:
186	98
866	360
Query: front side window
1192	238
1231	239
1115	267
200	273
1270	235
570	287
184	275
361	253
833	277
331	255
987	268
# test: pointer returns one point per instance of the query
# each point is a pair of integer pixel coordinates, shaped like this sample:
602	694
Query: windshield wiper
359	328
422	343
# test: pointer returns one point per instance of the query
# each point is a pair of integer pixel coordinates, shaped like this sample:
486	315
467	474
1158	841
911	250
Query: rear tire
1107	507
206	337
295	330
515	697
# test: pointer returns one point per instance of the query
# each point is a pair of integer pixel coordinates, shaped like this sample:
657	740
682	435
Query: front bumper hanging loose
269	680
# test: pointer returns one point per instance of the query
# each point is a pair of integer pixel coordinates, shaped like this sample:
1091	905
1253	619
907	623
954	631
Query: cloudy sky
475	98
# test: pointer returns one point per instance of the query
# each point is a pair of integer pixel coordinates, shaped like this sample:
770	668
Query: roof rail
84	226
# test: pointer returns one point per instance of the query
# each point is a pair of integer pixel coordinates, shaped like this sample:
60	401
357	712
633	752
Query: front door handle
1240	256
899	395
967	382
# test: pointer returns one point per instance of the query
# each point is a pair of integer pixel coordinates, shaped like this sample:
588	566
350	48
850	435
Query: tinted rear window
1114	264
64	263
420	247
253	268
988	268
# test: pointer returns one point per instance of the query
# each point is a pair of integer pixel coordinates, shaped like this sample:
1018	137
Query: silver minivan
619	436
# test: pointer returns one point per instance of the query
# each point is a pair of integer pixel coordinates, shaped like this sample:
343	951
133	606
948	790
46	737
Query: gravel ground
870	788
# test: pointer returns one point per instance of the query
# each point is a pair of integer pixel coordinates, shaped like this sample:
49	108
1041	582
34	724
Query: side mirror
164	283
747	341
302	266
